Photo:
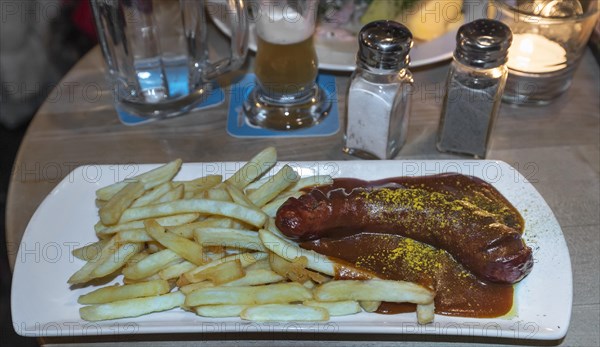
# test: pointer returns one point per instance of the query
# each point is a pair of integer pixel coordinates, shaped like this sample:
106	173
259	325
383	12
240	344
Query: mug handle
238	22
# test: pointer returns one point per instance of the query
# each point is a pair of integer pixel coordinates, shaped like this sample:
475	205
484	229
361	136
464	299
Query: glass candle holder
549	39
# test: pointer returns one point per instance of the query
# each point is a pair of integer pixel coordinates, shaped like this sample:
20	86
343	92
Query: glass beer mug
157	52
286	96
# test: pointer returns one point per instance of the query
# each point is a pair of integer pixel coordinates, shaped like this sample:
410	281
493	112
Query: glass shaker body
470	107
474	87
377	112
379	94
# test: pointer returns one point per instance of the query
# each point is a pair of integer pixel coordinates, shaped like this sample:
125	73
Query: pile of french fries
210	246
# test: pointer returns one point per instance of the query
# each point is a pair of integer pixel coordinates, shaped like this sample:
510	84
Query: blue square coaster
238	126
215	98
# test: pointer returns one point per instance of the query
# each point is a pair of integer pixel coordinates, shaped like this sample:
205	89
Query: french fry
254	168
152	195
133	235
174	194
151	264
336	308
201	184
154	277
188	288
369	306
223	208
237	224
122	292
167	221
291	270
113	209
238	196
256	277
84	274
228	237
187	249
309	284
220	311
159	175
425	313
137	257
119	257
176	270
132	307
255	184
100	203
284	312
187	230
374	290
154	247
233	251
276	242
105	193
278	183
295	270
244	258
317	277
222	273
216	250
262	264
249	295
290	251
150	179
112	257
215	253
311	181
182	281
89	252
217	194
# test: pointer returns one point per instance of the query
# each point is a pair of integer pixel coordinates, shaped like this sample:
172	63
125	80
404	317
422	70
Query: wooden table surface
556	147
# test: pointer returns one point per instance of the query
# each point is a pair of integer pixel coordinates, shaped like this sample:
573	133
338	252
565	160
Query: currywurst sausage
476	238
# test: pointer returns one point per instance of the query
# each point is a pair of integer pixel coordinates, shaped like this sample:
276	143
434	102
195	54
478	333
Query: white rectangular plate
44	305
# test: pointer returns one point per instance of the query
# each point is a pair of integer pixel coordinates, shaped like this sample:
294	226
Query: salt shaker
474	87
378	102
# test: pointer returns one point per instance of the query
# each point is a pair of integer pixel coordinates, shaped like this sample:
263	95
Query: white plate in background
44	305
340	55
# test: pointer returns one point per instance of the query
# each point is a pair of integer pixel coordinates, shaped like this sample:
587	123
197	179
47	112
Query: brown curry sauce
389	256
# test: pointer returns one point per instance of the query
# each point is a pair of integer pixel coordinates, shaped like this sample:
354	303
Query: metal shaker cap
384	44
483	43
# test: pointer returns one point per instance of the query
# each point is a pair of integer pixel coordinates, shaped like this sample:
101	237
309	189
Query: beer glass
157	52
286	95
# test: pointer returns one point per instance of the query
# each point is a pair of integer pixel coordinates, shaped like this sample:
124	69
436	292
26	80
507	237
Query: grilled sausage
476	238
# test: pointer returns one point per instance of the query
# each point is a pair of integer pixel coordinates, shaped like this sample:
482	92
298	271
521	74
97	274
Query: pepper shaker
378	102
474	87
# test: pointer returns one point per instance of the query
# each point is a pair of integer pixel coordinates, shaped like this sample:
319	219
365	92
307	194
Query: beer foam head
284	25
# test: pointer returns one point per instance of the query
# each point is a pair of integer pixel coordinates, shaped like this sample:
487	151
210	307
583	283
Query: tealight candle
549	39
536	54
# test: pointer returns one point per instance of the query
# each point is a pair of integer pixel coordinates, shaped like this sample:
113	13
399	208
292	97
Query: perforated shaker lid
384	44
483	43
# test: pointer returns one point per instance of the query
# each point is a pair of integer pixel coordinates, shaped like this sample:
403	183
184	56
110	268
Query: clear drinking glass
157	52
549	39
286	95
